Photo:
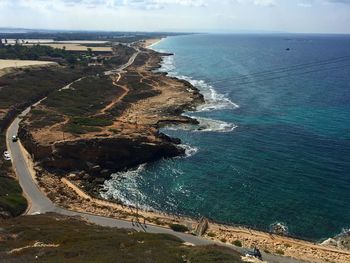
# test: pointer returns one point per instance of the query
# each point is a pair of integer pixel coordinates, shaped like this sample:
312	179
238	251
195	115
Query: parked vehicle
14	138
7	156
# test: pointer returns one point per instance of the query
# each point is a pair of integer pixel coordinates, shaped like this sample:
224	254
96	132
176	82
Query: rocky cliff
99	157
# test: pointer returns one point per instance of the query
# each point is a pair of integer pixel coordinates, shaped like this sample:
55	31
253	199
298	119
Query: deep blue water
288	159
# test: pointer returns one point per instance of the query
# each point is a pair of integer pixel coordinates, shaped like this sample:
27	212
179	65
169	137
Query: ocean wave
133	197
205	125
189	150
344	233
213	99
279	228
210	125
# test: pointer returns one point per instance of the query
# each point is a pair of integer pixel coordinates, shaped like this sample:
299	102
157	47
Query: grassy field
85	98
32	84
71	240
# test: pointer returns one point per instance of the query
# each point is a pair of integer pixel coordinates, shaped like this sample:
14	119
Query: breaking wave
205	125
213	100
111	188
189	150
279	228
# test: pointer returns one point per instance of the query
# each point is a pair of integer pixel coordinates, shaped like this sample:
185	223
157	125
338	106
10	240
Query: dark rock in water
99	180
169	139
96	169
86	177
279	229
105	173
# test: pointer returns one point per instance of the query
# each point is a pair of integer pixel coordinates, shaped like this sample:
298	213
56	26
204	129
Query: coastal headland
106	120
105	123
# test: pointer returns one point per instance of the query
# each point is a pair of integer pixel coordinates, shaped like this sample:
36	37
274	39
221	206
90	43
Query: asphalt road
39	203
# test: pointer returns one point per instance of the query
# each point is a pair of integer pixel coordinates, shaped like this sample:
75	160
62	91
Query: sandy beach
150	42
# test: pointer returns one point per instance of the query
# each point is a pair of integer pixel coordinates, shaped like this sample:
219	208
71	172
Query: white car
7	156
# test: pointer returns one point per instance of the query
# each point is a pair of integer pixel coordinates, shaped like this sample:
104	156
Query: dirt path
116	100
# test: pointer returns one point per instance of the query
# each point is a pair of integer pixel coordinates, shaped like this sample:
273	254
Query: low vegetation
40	119
19	90
279	252
72	240
29	85
85	97
211	234
38	52
11	199
12	202
237	243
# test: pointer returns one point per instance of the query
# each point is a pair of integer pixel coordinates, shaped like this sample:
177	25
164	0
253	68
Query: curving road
39	203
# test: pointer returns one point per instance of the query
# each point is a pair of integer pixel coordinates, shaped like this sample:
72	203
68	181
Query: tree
1	44
89	51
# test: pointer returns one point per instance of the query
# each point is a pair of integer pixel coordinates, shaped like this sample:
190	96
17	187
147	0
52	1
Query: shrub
223	240
237	243
211	234
178	228
84	121
279	252
77	129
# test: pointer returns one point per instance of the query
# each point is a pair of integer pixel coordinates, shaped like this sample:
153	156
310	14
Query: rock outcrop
100	156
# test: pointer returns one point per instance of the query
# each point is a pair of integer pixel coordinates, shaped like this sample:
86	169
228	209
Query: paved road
127	64
39	203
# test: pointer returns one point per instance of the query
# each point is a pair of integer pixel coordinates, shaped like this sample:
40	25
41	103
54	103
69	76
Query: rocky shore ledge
115	128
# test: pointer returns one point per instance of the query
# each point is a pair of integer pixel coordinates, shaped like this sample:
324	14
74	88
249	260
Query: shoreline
149	43
248	237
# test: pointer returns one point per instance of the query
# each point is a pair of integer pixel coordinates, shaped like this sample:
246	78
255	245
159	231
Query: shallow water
274	140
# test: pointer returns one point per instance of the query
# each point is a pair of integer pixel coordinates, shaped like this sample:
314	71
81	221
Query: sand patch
9	63
76	47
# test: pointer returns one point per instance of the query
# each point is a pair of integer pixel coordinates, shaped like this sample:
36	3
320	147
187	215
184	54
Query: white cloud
265	2
305	3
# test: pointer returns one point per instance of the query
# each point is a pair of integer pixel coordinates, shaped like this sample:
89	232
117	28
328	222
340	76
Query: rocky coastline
94	157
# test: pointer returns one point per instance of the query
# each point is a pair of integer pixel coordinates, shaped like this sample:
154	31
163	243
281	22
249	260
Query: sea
273	143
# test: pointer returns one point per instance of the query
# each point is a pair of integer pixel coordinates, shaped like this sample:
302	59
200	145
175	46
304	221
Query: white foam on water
213	100
210	125
205	125
111	188
189	150
279	228
344	233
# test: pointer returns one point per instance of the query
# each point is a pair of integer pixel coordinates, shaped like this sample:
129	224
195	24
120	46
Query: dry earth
7	63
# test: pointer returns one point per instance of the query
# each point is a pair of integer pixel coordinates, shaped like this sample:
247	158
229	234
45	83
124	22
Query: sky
217	16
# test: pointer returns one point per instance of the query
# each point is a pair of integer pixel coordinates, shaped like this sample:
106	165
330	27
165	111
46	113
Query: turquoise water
272	147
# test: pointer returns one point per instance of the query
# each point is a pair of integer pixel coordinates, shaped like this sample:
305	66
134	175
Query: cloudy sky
316	16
